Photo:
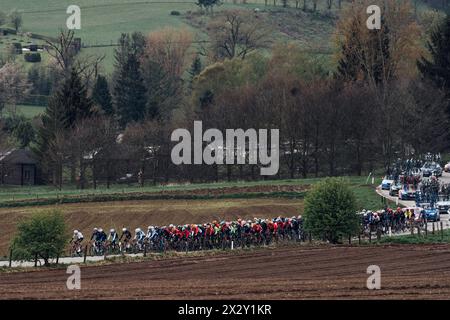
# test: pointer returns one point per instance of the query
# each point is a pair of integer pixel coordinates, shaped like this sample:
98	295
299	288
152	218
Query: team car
431	169
431	213
407	193
386	183
443	206
394	189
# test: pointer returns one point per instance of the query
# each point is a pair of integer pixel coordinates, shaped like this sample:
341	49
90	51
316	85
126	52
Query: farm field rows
132	214
323	272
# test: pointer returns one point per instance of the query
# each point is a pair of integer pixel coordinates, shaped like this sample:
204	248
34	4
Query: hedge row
147	196
32	57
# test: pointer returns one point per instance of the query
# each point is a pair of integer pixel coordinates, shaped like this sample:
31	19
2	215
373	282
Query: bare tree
14	85
169	47
64	50
16	20
236	34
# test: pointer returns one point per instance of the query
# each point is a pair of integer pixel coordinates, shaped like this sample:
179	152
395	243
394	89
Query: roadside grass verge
417	239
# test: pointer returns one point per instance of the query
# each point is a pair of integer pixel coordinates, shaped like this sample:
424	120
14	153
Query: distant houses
17	167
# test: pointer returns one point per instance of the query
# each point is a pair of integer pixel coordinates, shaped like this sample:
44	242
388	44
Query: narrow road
411	203
67	260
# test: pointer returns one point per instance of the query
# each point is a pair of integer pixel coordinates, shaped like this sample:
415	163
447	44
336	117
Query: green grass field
102	21
365	193
437	237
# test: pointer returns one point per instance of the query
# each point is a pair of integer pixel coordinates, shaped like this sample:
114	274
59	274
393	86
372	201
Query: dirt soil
142	213
324	272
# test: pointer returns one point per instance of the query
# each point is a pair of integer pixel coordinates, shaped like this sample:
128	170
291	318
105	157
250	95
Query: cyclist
101	237
94	234
113	238
126	236
151	233
139	237
77	239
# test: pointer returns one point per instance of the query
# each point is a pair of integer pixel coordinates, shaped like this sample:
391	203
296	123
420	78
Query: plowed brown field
407	272
142	213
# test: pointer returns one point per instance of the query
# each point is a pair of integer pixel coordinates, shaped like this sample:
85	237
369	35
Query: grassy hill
104	20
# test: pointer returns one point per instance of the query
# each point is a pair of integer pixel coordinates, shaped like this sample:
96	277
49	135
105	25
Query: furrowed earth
295	272
140	213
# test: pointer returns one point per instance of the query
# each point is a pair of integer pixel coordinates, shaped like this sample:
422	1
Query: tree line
384	94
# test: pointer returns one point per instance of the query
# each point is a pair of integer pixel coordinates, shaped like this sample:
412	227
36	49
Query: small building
17	167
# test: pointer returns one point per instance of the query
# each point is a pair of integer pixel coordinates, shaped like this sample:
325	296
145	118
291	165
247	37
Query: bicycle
76	249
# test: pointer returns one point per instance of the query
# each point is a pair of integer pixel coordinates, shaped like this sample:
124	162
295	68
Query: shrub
330	210
32	57
42	235
17	47
175	13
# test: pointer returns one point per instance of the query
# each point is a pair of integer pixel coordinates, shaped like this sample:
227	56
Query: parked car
431	169
394	189
447	167
443	206
407	193
386	183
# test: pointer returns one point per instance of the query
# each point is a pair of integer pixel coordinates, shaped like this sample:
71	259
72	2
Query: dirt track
407	272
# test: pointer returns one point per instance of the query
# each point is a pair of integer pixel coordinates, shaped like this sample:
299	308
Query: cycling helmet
75	231
138	230
124	229
112	230
100	230
95	229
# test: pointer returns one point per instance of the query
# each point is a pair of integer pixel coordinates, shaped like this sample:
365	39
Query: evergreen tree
54	121
437	69
72	96
101	95
155	82
196	68
129	89
68	105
